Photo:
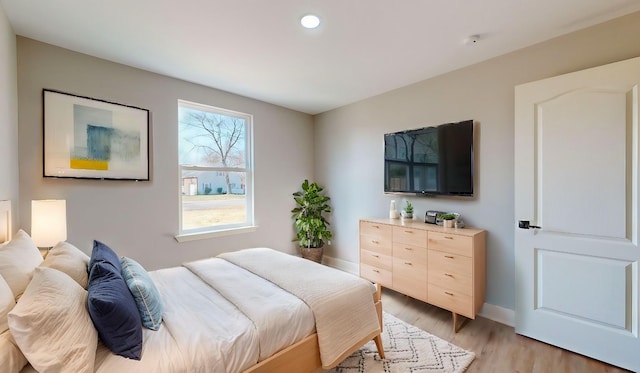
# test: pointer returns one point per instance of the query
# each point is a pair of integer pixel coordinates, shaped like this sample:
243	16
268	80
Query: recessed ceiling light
310	21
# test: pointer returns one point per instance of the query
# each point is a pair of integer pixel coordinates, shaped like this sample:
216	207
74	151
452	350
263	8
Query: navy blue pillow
113	311
103	253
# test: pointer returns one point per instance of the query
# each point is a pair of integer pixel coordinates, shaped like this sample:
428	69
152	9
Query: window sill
186	237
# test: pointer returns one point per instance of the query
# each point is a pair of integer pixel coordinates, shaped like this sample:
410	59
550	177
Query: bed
230	313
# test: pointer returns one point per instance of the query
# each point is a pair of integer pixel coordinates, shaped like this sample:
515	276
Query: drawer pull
408	263
448	256
408	248
448	237
408	231
375	241
448	293
448	275
376	226
376	271
375	256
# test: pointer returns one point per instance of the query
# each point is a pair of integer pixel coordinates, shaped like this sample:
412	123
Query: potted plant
448	220
407	212
311	226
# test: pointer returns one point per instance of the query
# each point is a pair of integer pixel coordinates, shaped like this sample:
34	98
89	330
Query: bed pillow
102	253
18	258
11	358
144	292
69	259
113	311
7	302
51	324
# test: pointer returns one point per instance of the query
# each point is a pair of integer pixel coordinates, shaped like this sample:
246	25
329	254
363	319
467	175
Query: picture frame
88	138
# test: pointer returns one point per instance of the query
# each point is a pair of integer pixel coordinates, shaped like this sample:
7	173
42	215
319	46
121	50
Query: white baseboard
344	265
499	314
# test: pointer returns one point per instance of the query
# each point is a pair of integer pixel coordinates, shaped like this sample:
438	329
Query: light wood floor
497	347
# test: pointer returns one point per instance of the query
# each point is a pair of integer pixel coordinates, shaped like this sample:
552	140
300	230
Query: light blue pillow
144	293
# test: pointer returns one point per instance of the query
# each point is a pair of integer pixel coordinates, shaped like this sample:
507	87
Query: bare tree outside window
218	139
215	162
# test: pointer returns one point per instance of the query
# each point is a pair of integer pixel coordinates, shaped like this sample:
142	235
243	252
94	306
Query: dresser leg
458	321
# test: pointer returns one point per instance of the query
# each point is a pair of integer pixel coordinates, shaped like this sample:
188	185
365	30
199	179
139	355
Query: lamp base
44	251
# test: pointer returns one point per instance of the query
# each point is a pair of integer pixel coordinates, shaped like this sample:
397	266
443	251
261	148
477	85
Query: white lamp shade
48	222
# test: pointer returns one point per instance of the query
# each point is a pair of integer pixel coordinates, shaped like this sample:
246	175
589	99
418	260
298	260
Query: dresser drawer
377	275
376	244
410	236
376	259
410	278
451	272
451	300
451	263
410	252
376	237
451	243
375	229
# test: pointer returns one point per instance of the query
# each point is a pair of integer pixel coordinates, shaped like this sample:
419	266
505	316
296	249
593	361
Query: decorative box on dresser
445	267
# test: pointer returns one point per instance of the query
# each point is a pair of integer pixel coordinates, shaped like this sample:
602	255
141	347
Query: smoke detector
472	40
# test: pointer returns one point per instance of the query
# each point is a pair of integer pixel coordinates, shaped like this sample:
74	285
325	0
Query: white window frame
225	229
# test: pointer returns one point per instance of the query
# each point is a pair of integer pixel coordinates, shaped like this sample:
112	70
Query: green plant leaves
311	226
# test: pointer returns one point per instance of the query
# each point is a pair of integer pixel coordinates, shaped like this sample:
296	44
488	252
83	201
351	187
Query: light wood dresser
445	267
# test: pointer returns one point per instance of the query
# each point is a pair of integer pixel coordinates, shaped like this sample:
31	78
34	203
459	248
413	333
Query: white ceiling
257	48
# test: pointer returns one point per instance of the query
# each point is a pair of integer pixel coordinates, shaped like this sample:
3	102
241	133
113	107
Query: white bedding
280	318
220	317
206	331
341	303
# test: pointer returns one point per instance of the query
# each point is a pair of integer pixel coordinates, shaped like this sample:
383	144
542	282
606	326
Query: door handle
525	224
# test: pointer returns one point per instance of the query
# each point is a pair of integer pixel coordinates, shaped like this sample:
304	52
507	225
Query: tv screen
430	161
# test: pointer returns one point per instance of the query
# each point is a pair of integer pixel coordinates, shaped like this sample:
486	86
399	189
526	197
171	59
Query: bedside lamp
48	222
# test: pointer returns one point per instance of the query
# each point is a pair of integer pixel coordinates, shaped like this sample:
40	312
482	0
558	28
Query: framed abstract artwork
87	138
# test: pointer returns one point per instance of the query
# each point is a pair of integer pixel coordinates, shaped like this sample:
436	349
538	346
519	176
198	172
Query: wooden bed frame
304	356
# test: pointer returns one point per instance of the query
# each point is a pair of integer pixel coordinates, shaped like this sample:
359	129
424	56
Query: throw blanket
342	303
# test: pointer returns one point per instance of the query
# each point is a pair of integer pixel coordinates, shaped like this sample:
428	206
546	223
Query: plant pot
406	215
448	223
312	253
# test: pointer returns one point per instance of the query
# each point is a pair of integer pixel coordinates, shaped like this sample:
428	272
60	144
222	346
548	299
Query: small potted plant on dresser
407	212
312	229
448	220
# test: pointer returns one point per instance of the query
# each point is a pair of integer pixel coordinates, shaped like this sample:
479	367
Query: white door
577	178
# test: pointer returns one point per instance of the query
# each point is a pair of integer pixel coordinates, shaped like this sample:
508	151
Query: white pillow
7	302
69	259
18	258
52	326
11	358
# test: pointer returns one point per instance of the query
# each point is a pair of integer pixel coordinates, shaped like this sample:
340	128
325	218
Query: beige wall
8	115
140	219
349	140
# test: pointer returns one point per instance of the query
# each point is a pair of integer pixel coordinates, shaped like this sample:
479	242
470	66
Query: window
216	175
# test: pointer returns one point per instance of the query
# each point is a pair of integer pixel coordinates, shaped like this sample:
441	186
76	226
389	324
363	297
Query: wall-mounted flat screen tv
430	161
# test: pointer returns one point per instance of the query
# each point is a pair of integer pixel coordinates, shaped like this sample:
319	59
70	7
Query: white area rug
407	349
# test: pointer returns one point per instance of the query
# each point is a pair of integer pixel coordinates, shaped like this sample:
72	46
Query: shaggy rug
407	349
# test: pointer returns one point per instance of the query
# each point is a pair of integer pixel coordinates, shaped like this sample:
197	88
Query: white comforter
207	330
341	303
219	317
